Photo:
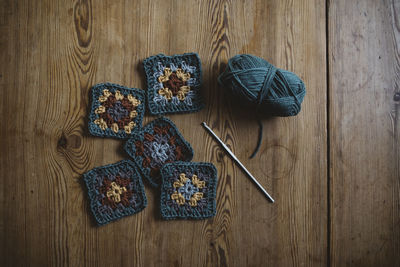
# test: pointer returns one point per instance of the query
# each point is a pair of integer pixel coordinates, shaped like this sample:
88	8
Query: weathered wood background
333	170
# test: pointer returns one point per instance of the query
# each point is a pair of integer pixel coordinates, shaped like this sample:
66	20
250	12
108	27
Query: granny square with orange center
157	144
188	190
173	83
115	191
116	110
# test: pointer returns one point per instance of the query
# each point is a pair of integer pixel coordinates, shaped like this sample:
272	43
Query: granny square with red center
157	144
188	190
115	191
116	111
173	83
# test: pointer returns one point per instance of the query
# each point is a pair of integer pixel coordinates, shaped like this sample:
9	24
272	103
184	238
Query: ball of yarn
263	87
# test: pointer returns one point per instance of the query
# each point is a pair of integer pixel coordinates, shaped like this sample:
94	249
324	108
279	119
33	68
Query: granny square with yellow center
115	191
116	110
188	190
173	83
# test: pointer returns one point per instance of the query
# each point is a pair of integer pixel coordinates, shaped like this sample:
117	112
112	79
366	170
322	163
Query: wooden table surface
333	170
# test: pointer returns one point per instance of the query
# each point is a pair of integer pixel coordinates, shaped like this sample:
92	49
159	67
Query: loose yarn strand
260	137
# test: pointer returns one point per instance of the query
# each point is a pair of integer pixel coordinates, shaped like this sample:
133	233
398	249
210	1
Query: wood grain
54	51
364	62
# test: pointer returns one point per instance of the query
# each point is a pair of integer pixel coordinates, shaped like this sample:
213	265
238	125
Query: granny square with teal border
115	191
157	144
188	190
116	111
173	83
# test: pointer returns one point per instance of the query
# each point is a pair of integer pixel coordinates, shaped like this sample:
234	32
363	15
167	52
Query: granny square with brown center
115	191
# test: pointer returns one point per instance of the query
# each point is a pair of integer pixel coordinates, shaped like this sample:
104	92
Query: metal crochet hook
237	161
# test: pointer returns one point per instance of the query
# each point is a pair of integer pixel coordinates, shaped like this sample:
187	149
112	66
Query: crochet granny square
188	190
116	110
115	191
173	83
157	144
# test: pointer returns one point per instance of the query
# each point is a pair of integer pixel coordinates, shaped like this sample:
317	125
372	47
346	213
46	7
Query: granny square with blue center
173	83
157	144
188	190
115	191
116	110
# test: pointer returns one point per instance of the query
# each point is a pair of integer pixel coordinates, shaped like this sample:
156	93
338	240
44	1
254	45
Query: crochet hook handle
238	161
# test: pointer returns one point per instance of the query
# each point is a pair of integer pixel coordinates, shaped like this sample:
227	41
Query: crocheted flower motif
173	83
157	144
188	190
115	191
116	110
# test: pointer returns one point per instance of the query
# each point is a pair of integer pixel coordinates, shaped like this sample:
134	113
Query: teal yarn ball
263	87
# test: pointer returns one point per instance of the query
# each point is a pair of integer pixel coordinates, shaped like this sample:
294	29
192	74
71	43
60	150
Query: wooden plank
364	60
55	51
